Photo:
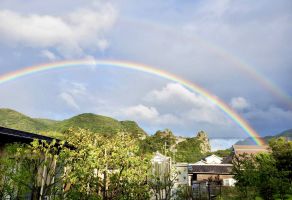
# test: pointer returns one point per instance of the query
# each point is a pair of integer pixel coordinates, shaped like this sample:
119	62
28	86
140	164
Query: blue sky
176	36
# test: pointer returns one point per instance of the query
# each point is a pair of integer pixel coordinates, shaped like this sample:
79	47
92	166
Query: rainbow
244	67
142	68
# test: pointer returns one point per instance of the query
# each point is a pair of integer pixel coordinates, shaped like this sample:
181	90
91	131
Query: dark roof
228	159
210	169
8	135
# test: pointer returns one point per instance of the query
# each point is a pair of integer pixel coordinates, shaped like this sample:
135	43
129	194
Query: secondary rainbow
143	68
244	67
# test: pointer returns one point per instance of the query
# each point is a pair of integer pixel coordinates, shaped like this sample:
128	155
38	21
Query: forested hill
249	141
96	123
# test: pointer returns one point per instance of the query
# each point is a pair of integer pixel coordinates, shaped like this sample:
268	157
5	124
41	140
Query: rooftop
8	135
211	169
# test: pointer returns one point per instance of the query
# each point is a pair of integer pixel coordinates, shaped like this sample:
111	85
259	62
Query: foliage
95	123
107	168
133	128
266	174
267	139
222	153
12	119
87	166
184	192
161	141
30	169
188	151
162	180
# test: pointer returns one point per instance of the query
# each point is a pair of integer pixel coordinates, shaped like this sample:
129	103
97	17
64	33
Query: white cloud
71	34
142	112
205	115
73	92
69	100
239	103
174	92
149	115
174	105
49	55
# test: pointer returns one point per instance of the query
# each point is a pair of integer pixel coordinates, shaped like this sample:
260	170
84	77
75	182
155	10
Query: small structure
160	180
212	159
160	165
211	167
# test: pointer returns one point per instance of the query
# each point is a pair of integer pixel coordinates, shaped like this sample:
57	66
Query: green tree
105	167
161	141
246	176
281	150
189	151
32	169
266	174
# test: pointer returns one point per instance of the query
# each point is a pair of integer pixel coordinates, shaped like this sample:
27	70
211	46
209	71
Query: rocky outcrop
205	145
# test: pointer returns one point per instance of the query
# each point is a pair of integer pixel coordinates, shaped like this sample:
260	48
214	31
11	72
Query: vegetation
95	123
161	141
250	141
31	169
188	151
12	119
87	166
267	175
222	153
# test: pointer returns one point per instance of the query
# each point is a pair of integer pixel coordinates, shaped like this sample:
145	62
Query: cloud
49	55
73	92
174	92
187	105
271	120
71	34
141	112
69	100
239	103
149	115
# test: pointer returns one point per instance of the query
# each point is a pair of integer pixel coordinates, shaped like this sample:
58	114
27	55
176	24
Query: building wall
201	177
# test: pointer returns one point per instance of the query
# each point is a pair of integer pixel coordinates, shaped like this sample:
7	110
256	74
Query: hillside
96	123
12	119
183	149
190	149
250	141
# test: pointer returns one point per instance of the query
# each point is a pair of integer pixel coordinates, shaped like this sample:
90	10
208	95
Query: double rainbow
142	68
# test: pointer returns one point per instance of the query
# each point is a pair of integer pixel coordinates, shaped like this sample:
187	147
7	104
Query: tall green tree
105	167
266	174
32	169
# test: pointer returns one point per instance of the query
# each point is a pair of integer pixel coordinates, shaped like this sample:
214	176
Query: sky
230	48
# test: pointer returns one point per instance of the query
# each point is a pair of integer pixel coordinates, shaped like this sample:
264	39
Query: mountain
250	141
12	119
183	149
96	123
287	133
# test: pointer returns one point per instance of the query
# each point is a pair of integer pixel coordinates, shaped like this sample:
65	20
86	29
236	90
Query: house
212	159
211	167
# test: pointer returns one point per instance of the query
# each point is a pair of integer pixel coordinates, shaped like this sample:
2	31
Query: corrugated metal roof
8	135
